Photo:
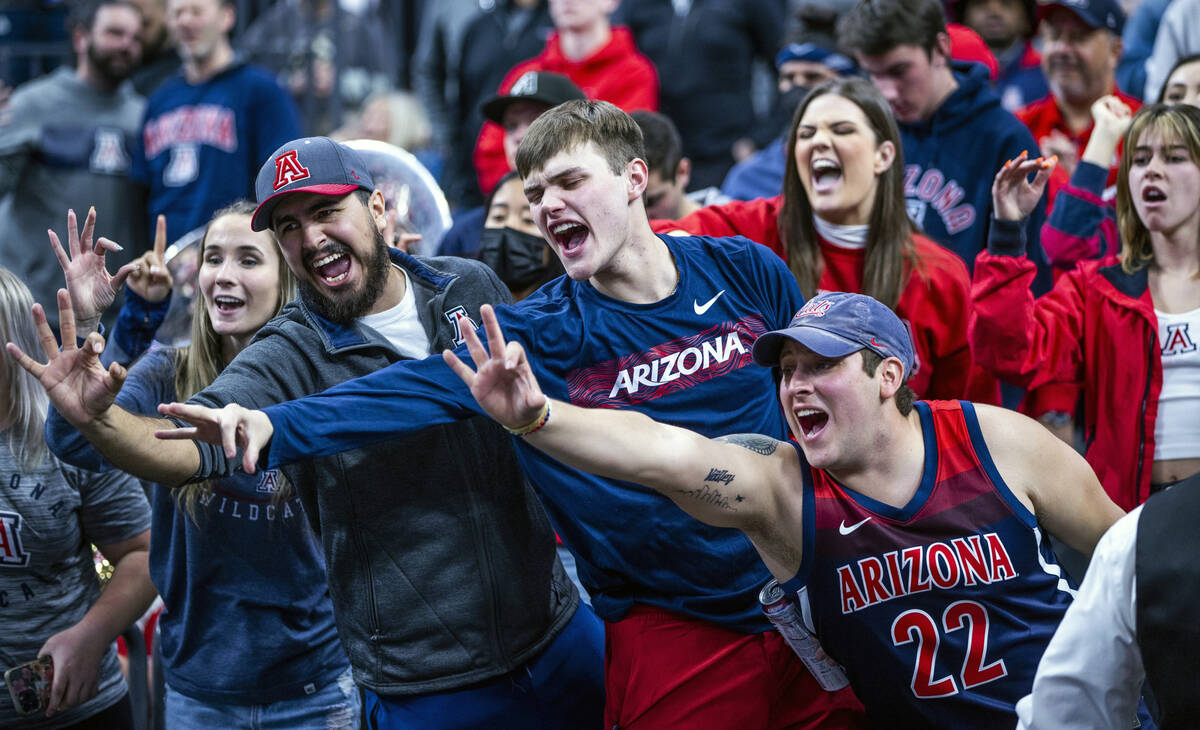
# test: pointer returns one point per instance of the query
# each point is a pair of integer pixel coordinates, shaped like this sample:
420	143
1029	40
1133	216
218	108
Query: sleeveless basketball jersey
941	609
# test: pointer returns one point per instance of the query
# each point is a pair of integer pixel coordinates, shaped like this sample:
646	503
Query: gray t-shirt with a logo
49	518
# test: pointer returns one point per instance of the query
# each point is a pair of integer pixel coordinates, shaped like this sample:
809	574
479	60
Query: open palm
1014	196
92	288
80	388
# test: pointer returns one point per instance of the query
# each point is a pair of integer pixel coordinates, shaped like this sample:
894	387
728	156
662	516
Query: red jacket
933	304
1044	116
616	73
1096	328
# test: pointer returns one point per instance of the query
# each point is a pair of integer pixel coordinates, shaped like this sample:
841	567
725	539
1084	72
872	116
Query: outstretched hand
92	288
1014	196
503	382
80	388
231	428
150	279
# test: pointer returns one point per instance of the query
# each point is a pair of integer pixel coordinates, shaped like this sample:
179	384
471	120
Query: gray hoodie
441	562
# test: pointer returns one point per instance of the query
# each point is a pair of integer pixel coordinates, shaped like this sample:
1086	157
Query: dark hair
510	175
812	21
82	15
575	123
890	252
874	27
664	148
956	12
1162	91
904	396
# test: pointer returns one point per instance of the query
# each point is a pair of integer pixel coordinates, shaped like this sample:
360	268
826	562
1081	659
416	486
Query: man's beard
349	307
114	67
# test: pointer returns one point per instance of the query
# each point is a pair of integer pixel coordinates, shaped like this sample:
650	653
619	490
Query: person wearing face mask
511	244
841	225
513	111
661	324
508	639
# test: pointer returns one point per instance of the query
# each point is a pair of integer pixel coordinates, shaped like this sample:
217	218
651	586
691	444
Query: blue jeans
336	705
562	689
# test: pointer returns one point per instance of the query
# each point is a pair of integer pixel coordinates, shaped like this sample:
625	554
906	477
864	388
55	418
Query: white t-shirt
401	326
1090	677
1177	429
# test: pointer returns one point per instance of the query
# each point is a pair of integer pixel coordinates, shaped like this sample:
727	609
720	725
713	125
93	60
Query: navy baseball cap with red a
836	324
307	165
1100	14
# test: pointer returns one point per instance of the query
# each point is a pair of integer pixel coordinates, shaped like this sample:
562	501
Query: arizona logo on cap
814	308
527	85
288	169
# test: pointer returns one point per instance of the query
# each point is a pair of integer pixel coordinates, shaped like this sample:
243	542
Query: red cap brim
261	220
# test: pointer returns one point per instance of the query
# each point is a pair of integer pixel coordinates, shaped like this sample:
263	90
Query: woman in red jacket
1126	326
841	225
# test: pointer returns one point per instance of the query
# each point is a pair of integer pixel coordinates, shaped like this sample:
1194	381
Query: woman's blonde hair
199	363
25	412
1178	124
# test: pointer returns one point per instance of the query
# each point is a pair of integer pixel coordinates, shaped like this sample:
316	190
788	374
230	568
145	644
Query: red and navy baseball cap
1106	14
307	165
545	87
836	324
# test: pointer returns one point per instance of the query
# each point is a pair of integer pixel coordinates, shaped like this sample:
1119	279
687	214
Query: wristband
534	425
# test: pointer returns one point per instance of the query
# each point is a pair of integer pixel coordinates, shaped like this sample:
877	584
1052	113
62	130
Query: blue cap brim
826	344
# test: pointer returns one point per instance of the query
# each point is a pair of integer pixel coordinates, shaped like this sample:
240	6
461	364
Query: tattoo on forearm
712	496
757	443
721	476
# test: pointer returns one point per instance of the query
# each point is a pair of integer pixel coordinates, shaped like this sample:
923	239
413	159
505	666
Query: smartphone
29	685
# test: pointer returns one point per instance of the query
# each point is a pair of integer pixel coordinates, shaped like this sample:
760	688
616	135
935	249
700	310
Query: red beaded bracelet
534	425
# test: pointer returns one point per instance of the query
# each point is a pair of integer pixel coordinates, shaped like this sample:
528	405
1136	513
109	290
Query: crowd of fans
1016	182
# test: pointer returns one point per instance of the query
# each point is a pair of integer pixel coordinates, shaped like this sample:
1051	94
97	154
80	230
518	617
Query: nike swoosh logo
702	308
847	530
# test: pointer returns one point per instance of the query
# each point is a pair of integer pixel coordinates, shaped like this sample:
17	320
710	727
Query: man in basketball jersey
661	324
916	528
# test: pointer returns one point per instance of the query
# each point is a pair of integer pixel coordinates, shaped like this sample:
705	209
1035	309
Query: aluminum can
785	617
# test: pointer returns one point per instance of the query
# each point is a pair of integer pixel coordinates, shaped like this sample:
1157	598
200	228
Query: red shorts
666	670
